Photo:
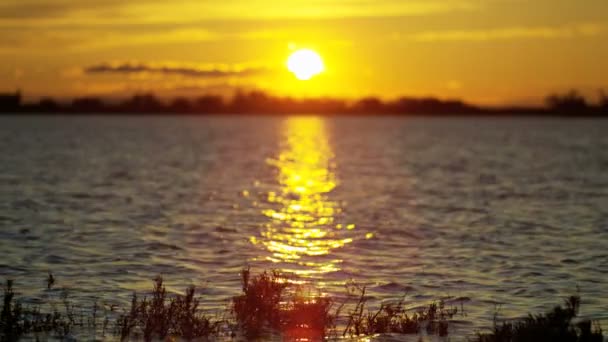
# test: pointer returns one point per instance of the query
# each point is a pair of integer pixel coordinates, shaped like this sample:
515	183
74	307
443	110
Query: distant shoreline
489	115
569	105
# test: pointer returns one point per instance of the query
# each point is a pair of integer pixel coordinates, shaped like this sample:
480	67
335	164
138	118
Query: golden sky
483	51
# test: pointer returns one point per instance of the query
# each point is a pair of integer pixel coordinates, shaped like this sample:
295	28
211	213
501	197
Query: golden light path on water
302	230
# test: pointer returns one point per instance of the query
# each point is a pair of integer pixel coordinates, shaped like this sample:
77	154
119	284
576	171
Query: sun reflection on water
303	228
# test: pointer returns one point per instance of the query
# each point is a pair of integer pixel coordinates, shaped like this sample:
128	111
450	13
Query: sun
305	64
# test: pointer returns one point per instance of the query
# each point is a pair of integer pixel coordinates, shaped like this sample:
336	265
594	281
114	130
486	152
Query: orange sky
484	51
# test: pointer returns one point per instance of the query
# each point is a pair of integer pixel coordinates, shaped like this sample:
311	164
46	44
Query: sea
499	217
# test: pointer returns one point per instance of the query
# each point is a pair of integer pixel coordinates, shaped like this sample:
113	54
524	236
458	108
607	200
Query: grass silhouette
271	304
17	320
159	317
557	325
259	307
394	318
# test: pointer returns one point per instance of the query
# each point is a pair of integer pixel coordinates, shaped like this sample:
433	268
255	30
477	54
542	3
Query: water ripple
477	211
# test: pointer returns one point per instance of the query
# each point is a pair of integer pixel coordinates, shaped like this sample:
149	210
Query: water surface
508	213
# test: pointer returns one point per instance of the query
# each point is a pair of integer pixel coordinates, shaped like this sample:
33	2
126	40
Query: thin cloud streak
174	69
194	9
510	33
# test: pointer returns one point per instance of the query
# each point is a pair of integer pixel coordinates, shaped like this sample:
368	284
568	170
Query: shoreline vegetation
570	104
271	306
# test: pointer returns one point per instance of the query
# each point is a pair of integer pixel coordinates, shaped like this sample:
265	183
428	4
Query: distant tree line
257	102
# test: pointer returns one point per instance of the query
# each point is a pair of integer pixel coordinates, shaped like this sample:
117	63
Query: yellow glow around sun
305	64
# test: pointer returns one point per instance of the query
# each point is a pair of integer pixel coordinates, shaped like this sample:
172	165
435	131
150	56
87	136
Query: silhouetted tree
10	102
210	104
327	106
88	105
569	103
143	103
252	102
180	105
368	105
603	105
429	105
47	104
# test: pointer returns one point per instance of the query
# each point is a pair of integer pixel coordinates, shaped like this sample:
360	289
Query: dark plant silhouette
395	318
159	317
603	103
258	102
271	305
88	105
554	326
180	105
50	281
569	103
10	101
259	307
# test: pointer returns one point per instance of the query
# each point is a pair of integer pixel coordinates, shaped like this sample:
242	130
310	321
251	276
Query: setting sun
305	64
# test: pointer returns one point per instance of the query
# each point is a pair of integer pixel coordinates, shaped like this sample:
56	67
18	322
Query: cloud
212	71
508	33
23	9
233	9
